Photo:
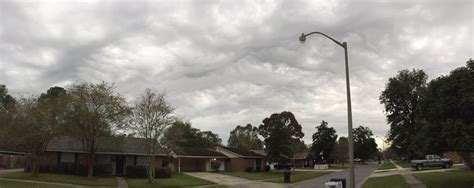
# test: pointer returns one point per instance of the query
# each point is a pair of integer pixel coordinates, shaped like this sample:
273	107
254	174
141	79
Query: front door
119	165
258	164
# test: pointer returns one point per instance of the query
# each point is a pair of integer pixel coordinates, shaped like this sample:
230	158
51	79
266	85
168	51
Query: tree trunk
90	165
151	169
34	167
467	158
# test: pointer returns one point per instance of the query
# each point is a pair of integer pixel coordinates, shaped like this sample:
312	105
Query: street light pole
349	106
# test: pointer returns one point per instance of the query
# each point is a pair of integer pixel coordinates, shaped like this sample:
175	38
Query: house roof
260	152
122	145
197	152
301	155
243	153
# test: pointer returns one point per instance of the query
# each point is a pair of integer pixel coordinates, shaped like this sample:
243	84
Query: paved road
362	172
231	181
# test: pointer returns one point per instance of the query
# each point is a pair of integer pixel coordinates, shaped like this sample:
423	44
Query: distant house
240	160
303	159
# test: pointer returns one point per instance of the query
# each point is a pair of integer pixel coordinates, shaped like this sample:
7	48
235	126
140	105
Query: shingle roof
192	151
124	145
301	155
243	153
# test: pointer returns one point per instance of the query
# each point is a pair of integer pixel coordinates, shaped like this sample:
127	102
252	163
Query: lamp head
302	38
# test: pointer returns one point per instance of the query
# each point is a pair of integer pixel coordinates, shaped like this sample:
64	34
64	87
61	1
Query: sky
228	63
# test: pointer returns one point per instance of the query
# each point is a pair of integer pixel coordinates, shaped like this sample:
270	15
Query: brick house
114	155
303	159
190	159
240	160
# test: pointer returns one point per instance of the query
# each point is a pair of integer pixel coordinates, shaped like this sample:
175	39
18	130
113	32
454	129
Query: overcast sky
228	63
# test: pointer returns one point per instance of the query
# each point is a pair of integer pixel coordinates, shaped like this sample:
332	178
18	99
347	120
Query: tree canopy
401	99
364	145
324	140
279	130
182	134
447	110
95	111
245	138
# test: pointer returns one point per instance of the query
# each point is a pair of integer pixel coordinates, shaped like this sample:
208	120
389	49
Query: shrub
267	168
102	170
249	169
80	170
136	172
164	172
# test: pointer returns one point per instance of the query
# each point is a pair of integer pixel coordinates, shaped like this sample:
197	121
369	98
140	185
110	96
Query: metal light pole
349	106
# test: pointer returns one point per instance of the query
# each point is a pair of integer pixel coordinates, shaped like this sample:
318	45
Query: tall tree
37	122
364	145
298	146
401	99
245	138
209	139
182	134
341	151
448	112
7	109
94	112
279	130
5	99
151	115
324	140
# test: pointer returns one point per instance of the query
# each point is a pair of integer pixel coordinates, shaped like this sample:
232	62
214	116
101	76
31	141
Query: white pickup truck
431	161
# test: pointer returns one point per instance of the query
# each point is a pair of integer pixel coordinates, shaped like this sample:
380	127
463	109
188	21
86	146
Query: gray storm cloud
228	63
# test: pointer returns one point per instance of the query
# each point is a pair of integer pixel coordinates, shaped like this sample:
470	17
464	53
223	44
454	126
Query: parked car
431	161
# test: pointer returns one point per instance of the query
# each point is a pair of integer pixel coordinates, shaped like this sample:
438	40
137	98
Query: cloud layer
228	63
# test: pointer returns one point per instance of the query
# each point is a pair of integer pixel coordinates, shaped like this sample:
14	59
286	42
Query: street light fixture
349	106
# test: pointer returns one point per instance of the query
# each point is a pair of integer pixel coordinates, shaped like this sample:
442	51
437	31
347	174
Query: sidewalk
411	180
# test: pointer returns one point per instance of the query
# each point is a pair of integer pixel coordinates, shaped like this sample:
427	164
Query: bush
267	168
102	170
136	172
249	169
164	172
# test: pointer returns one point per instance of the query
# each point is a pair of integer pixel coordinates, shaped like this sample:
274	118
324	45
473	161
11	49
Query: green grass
404	164
297	177
386	165
275	176
15	184
60	178
459	179
394	181
177	180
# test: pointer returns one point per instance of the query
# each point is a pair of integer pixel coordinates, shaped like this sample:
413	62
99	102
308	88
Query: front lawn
15	184
394	181
276	176
60	178
458	178
386	165
177	180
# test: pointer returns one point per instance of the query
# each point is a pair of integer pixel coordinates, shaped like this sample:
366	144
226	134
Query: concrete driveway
231	181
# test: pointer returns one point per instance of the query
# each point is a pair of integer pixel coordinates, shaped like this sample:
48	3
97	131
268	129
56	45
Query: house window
67	158
142	161
103	159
